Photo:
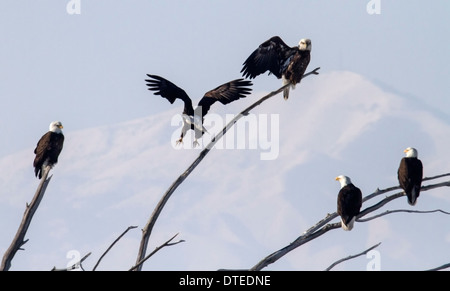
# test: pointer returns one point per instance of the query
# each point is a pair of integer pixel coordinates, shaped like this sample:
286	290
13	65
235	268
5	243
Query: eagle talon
195	144
179	142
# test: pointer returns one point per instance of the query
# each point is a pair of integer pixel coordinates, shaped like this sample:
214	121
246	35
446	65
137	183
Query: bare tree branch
107	250
147	230
377	192
30	209
402	210
435	177
382	191
429	187
352	257
443	267
166	244
74	266
323	227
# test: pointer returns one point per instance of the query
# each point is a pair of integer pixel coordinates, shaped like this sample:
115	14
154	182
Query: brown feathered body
47	151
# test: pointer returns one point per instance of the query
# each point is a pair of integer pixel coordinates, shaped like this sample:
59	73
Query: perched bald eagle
410	173
48	148
273	55
193	118
349	202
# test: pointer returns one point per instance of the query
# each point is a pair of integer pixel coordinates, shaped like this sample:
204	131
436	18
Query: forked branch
166	244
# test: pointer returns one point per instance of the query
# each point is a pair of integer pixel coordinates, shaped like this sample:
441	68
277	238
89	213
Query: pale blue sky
88	71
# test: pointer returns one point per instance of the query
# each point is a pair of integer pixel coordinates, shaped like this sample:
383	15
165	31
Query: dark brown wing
410	174
225	94
47	149
170	91
272	55
41	150
349	202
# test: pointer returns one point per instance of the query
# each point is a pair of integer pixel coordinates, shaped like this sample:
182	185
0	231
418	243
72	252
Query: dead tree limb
352	257
147	230
436	177
110	247
443	267
324	226
382	191
402	210
19	239
166	244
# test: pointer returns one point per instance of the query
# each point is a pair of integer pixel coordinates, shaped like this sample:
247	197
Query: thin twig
435	177
74	266
117	239
352	257
166	244
382	191
401	210
30	209
147	230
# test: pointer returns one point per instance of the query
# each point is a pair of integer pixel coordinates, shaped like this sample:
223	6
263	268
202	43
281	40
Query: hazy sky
88	71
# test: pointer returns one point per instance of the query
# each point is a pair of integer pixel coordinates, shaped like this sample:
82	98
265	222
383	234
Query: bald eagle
273	55
349	202
410	174
193	118
48	148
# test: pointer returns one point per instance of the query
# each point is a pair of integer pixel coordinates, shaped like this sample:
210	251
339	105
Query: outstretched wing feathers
270	56
226	93
165	88
229	91
170	91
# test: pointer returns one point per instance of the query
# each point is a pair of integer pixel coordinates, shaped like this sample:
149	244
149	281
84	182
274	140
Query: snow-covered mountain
237	207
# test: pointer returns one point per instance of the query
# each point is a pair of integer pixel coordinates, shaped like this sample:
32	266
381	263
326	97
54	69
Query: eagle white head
304	44
56	127
410	152
344	180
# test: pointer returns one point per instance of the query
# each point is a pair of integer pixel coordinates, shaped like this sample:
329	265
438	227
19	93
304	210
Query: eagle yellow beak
60	126
337	178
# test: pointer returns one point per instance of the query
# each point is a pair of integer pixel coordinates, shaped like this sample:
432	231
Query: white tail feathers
348	226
